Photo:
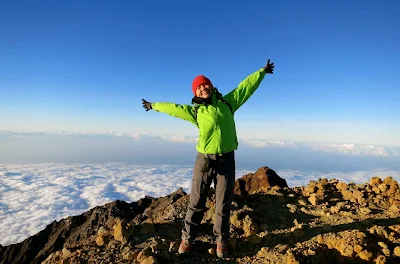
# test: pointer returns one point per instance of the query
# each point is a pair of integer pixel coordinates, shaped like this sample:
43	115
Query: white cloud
342	148
259	143
354	149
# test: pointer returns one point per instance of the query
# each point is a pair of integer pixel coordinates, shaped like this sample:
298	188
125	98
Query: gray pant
222	171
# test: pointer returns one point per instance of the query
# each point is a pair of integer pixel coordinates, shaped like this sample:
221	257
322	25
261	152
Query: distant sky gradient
84	66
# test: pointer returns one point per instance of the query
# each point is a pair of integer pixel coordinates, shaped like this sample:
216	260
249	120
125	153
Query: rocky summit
326	221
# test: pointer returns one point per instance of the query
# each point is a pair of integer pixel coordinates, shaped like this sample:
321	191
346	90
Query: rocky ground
326	221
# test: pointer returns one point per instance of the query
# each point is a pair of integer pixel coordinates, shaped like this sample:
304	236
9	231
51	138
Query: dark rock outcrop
165	209
263	178
69	231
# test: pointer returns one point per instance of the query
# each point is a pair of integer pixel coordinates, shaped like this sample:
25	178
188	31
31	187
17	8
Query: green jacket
217	130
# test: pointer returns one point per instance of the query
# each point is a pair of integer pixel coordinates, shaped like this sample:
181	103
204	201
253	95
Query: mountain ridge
270	222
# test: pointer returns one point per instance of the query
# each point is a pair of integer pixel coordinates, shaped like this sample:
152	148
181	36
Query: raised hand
269	67
146	105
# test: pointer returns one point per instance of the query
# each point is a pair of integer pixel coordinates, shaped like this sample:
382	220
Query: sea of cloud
33	196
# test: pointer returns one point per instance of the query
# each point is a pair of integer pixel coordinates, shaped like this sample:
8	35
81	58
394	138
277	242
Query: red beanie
199	80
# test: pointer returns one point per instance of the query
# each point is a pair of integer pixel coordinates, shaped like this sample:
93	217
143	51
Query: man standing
213	114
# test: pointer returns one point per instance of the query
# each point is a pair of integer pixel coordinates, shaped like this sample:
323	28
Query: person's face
204	91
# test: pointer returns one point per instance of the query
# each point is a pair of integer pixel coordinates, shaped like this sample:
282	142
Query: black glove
269	67
146	105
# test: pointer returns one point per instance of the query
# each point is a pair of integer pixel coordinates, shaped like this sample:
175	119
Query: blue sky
85	65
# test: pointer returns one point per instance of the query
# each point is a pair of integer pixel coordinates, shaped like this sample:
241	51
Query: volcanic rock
263	178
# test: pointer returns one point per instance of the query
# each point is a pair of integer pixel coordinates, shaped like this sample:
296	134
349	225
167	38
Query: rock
129	255
263	252
365	255
311	188
235	221
263	178
336	209
383	187
160	245
153	249
103	231
149	260
275	189
361	186
102	239
174	246
292	207
382	244
313	200
365	210
357	248
396	251
376	190
386	251
375	181
211	251
396	202
341	186
123	231
167	208
65	253
379	230
53	258
249	226
394	209
323	181
357	195
235	205
304	210
380	259
302	202
347	195
297	224
144	254
346	250
392	190
289	258
389	180
112	244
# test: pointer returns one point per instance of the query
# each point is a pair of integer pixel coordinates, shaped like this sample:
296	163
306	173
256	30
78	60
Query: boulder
263	178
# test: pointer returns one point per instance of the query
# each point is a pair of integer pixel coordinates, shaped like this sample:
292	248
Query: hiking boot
185	247
222	249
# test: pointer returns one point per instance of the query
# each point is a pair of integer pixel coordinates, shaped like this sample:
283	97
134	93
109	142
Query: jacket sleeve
185	112
238	96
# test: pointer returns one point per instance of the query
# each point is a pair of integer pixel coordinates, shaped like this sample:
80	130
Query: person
213	114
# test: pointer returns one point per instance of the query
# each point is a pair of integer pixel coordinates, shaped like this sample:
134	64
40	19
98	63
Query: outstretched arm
185	112
247	87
